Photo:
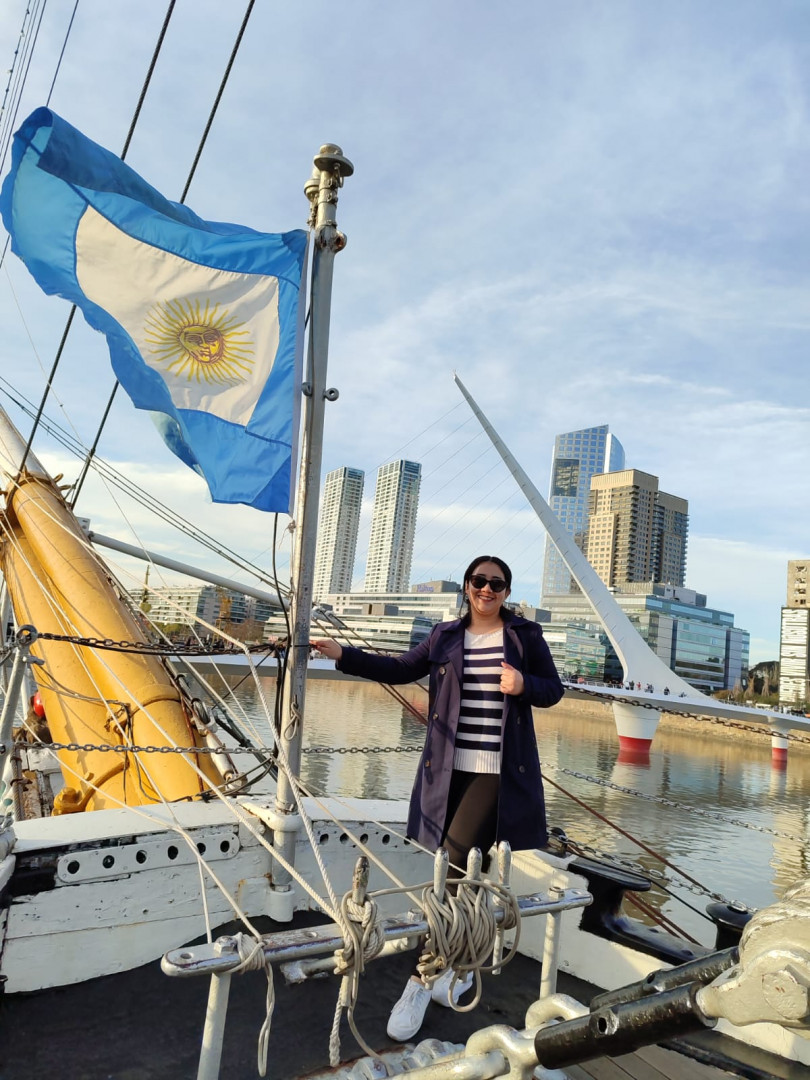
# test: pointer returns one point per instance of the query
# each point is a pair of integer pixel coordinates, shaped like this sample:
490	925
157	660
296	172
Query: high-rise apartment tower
393	525
337	532
794	638
636	533
578	455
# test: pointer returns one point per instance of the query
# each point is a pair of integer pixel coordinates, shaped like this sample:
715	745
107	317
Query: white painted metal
330	167
184	568
12	449
632	650
635	655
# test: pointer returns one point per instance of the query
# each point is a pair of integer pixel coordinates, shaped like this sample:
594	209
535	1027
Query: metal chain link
362	749
155	648
588	691
121	748
628	864
662	800
655	875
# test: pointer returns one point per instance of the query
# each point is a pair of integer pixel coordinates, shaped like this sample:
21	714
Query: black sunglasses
497	584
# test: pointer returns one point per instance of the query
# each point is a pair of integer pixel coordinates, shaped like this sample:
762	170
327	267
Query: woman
479	775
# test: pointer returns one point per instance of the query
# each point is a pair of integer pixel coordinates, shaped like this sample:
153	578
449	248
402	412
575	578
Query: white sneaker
440	991
409	1012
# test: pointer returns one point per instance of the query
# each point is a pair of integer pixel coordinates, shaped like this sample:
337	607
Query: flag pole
330	169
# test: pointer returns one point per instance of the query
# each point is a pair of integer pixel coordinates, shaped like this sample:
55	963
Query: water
702	774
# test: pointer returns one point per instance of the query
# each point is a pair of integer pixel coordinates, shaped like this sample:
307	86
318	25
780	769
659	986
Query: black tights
472	815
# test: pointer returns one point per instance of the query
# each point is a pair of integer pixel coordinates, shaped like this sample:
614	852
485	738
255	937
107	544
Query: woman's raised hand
511	680
329	648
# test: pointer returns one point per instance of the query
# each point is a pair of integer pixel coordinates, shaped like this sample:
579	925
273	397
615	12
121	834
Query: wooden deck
142	1025
650	1063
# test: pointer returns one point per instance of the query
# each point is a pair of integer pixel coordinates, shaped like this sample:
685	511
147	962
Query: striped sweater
478	739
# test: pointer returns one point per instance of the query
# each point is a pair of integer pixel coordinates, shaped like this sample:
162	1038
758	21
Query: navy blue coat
521	806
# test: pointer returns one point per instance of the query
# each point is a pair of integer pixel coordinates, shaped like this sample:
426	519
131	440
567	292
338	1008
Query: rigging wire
29	44
6	126
69	323
192	171
62	53
137	493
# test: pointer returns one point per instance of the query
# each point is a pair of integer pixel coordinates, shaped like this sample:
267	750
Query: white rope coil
462	932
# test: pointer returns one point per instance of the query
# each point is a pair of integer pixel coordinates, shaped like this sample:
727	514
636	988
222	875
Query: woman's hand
511	680
329	648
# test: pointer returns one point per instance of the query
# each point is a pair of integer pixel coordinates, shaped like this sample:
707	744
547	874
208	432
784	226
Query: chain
156	648
121	748
362	749
658	876
662	800
766	731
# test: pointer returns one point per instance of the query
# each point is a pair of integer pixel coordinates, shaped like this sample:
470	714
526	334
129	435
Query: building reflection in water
718	785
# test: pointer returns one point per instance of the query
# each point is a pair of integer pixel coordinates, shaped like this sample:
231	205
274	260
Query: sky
595	213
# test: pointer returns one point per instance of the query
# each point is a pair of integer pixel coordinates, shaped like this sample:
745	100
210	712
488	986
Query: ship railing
303	953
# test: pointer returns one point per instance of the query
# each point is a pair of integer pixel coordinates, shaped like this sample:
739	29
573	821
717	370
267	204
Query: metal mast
330	169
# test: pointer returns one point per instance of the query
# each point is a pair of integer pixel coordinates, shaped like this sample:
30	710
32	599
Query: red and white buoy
779	750
635	725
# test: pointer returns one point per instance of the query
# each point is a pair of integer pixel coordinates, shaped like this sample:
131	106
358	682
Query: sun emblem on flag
198	341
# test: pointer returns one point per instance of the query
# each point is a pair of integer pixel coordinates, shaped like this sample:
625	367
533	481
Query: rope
363	940
252	958
462	932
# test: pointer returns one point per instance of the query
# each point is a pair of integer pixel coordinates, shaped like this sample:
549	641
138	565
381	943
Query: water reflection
715	786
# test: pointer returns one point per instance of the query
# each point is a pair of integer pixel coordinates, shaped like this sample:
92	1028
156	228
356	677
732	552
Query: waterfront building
699	643
581	651
179	605
794	639
438	601
578	456
337	531
391	622
380	627
199	605
393	525
635	532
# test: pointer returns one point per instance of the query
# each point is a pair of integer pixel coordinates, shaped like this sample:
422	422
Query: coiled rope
462	932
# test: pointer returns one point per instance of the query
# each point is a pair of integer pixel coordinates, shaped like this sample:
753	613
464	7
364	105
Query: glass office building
578	455
699	643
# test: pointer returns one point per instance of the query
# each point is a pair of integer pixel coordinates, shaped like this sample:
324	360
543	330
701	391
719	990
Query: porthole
172	851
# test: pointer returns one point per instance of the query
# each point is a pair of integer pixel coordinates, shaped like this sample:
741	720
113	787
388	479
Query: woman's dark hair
468	573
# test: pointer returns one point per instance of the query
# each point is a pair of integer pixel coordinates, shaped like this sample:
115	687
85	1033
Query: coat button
441	671
427	764
521	768
435	716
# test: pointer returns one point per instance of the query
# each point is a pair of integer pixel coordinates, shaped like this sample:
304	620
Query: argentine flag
204	320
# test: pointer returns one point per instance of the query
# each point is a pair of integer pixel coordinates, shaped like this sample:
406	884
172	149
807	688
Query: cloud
595	213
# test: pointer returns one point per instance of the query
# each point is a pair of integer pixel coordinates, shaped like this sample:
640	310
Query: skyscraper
578	455
794	639
636	533
337	532
393	525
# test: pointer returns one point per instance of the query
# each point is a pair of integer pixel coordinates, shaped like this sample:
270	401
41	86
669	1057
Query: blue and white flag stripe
204	320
